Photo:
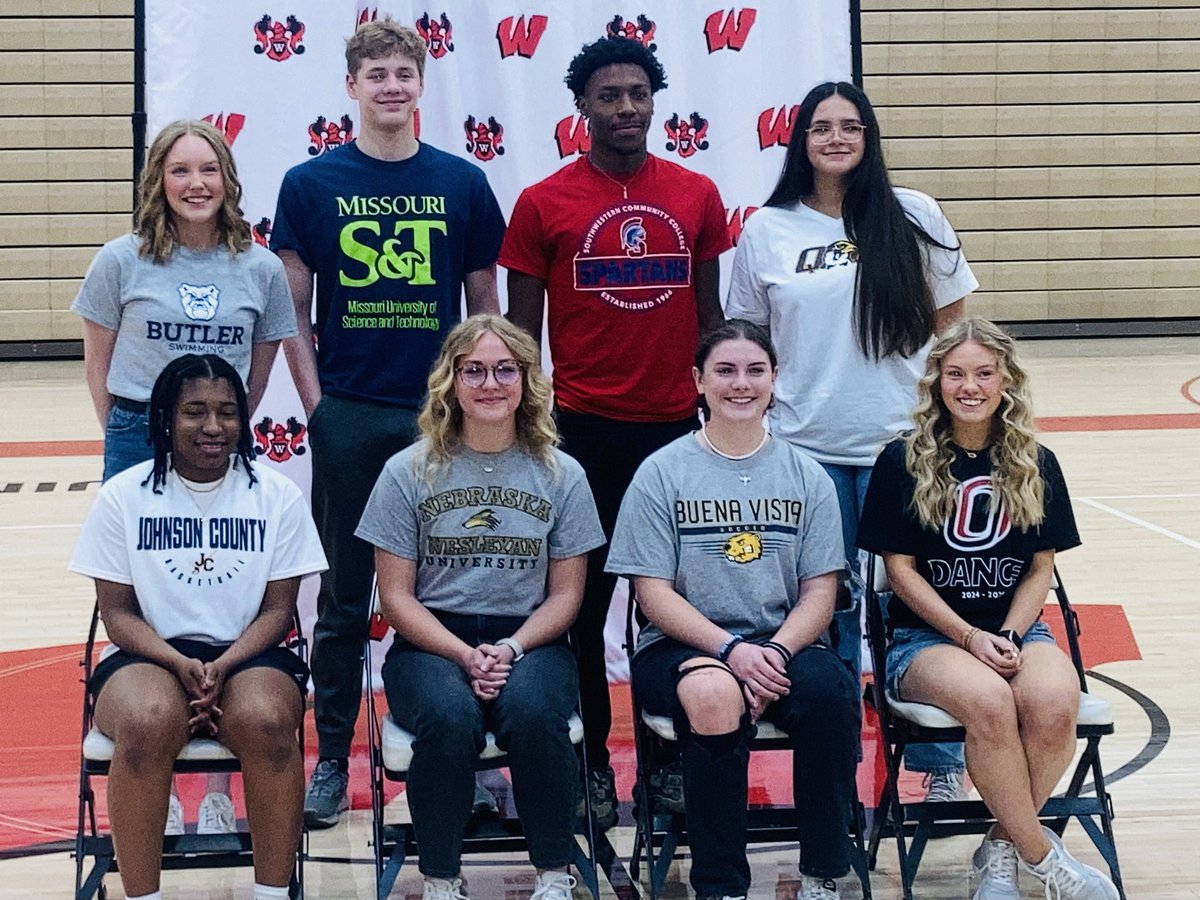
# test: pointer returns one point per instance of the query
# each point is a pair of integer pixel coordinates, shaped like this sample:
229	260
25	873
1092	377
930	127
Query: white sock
157	895
267	892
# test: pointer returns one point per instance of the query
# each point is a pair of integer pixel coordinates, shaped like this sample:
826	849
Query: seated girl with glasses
733	542
968	511
481	532
197	559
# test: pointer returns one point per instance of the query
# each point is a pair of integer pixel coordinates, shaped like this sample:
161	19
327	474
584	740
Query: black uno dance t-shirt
977	558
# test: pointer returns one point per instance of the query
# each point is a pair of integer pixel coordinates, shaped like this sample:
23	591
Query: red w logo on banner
229	125
484	139
736	219
369	14
729	32
520	37
571	135
775	126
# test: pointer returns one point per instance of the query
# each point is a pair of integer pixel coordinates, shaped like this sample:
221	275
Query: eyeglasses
823	132
506	372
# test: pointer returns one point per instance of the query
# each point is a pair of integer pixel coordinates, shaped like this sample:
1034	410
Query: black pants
351	441
610	453
820	715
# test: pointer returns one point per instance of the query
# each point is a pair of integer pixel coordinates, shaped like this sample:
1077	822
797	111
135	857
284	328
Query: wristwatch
1010	635
514	645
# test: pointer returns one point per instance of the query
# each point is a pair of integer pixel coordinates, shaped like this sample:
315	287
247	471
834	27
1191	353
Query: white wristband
512	644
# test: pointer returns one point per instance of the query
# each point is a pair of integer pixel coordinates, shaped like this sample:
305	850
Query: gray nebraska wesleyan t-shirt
736	537
482	539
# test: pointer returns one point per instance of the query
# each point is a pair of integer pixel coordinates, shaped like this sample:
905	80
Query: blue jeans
851	485
126	441
429	697
820	715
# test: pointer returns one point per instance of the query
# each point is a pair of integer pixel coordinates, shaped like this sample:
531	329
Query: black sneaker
601	790
666	789
326	797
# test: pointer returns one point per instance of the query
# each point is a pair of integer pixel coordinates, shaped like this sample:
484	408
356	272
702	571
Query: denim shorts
906	643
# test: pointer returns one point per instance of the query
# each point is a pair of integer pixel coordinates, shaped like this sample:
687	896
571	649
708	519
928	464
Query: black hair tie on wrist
781	650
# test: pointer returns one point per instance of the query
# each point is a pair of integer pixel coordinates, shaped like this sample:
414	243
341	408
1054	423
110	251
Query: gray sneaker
600	790
944	787
666	789
995	864
326	798
1066	878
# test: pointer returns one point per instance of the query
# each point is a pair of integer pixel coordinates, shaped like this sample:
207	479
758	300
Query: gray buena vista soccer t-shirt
484	531
736	537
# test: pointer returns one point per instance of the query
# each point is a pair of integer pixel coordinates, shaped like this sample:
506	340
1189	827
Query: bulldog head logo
199	301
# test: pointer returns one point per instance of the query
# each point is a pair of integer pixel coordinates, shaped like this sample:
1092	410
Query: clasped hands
762	673
488	667
203	683
995	651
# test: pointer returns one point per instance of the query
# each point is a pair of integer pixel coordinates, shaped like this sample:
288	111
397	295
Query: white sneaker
174	817
995	864
817	888
553	886
1066	878
445	889
944	787
216	815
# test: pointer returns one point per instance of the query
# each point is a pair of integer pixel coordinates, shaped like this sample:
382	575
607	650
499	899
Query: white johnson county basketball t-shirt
794	271
200	576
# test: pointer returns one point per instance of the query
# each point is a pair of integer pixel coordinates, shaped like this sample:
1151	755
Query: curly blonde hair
153	222
1014	450
441	417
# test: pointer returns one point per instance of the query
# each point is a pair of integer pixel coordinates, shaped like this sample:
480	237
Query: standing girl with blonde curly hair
968	511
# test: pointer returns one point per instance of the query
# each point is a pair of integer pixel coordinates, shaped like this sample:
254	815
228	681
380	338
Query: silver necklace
704	434
208	492
624	186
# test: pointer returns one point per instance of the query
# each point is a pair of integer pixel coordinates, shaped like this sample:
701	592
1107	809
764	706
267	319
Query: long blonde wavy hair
441	417
153	222
1013	452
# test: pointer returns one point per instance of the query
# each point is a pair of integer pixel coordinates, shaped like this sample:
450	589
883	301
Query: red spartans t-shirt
620	275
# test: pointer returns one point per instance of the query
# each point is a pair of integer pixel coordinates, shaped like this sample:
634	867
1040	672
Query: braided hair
165	397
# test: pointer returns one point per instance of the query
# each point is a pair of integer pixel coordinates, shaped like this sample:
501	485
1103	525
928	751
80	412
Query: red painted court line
15	449
1146	422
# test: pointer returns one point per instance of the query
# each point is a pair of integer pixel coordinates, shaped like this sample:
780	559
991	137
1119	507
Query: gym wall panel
1061	138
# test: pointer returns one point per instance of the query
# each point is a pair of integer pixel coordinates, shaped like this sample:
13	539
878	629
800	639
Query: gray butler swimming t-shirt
735	536
482	539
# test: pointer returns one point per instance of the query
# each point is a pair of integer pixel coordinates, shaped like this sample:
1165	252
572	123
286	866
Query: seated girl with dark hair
968	511
197	559
732	539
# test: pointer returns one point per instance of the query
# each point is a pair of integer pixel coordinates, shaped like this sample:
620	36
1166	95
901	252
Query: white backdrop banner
272	78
